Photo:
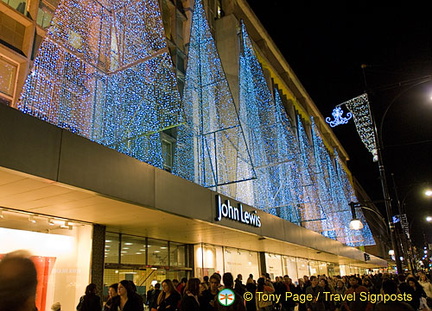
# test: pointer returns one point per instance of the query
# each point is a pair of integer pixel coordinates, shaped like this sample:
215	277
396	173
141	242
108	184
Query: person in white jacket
425	282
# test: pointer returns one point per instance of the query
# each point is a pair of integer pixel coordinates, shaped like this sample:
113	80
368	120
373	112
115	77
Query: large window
8	73
18	5
11	31
122	249
143	260
112	251
61	251
210	259
46	12
157	253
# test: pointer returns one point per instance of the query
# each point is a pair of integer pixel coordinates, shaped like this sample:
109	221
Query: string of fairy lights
212	138
104	72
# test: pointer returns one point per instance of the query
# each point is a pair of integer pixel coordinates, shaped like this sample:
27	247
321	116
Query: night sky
326	46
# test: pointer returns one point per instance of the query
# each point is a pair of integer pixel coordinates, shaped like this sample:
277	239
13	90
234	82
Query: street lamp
429	218
355	223
428	193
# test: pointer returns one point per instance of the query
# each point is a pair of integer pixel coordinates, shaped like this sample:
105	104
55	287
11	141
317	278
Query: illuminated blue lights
104	72
211	148
338	117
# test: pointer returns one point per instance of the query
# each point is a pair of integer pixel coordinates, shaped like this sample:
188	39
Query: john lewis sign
226	210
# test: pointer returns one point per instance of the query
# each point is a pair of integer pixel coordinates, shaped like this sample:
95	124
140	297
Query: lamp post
356	224
386	193
381	167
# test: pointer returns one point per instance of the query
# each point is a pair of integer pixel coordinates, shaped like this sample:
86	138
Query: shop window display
60	252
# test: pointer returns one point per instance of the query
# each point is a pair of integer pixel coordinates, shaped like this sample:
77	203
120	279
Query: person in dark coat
189	300
239	287
251	287
238	304
169	297
127	299
112	292
208	296
153	295
416	291
90	301
317	292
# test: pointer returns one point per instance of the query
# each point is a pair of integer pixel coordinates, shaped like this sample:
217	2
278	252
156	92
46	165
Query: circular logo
226	297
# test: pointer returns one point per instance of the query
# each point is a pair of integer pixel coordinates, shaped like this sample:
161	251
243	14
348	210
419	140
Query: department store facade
89	213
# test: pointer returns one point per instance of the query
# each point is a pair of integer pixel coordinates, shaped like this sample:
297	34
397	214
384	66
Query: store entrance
143	277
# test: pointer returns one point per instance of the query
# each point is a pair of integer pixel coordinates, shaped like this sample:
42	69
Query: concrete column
98	256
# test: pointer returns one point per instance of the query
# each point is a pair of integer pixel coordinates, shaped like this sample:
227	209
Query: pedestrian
389	287
416	291
329	305
357	304
112	292
425	282
340	292
208	296
153	296
56	306
316	292
239	287
180	287
18	281
238	303
169	297
90	301
264	287
189	301
206	280
251	288
127	299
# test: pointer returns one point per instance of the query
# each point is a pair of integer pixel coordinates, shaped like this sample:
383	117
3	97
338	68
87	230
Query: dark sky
326	46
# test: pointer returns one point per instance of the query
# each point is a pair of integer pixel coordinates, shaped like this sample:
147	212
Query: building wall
57	153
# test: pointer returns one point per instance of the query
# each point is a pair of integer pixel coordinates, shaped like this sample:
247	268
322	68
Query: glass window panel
133	250
157	253
11	31
274	265
45	15
239	261
177	255
167	154
7	77
18	5
112	241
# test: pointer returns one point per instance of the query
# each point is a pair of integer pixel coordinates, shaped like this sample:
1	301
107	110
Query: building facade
160	140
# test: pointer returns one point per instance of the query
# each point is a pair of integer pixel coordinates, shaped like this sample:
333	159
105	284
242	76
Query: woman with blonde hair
427	285
169	297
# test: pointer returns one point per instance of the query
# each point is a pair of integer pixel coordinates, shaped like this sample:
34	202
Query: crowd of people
378	292
381	292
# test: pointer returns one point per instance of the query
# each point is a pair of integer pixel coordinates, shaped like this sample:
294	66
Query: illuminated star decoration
104	72
338	117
